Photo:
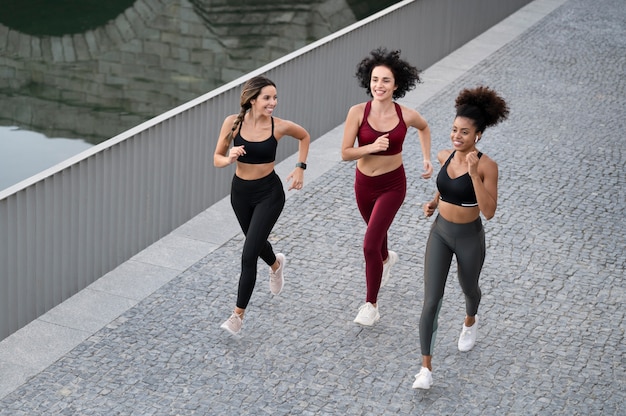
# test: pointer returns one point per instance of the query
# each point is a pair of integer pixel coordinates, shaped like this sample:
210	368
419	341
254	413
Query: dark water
74	73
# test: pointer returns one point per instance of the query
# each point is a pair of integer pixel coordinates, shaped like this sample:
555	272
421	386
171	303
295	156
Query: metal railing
67	226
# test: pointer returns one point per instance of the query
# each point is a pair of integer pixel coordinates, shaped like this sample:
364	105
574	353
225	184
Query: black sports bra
257	152
458	191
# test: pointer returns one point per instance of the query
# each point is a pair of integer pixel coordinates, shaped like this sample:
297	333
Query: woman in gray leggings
467	185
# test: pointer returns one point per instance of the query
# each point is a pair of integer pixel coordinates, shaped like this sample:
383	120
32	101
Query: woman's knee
430	307
249	259
371	250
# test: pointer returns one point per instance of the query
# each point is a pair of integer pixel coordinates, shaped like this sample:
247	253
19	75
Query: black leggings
257	205
467	242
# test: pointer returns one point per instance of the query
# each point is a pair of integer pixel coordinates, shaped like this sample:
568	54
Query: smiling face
382	83
464	134
266	101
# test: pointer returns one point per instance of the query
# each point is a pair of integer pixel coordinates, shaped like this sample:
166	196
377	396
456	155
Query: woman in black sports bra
257	195
467	185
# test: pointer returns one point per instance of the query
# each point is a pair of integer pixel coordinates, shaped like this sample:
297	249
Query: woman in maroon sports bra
379	127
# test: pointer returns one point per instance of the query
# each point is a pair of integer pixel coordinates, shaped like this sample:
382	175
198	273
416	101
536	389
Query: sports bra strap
479	154
241	124
366	113
368	108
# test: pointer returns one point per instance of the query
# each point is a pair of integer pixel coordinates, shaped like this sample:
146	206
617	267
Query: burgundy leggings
379	198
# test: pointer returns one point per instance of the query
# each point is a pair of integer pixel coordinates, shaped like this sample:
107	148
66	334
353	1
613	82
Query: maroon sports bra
368	135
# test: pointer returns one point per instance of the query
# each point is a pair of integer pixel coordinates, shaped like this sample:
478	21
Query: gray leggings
467	242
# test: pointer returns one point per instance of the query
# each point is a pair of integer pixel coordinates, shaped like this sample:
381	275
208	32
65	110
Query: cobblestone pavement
552	317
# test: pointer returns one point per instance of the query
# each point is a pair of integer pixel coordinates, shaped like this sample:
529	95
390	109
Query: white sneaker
392	258
233	324
368	315
277	279
423	379
468	336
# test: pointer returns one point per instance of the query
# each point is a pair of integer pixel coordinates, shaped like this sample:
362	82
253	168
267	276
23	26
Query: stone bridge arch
152	57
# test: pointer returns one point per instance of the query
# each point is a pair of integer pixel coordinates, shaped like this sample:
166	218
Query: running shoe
277	280
233	324
423	379
467	339
392	258
368	315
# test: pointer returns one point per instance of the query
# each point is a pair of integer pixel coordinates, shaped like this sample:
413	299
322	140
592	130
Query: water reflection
40	151
90	70
60	17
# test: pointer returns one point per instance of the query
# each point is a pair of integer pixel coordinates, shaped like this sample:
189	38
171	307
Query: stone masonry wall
155	56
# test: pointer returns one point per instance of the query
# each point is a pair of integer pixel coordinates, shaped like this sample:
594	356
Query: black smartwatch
301	165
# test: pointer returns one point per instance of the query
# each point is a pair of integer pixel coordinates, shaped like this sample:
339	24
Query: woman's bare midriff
250	172
456	214
375	165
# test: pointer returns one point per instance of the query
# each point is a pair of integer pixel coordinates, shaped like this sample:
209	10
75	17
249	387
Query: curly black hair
482	105
406	75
